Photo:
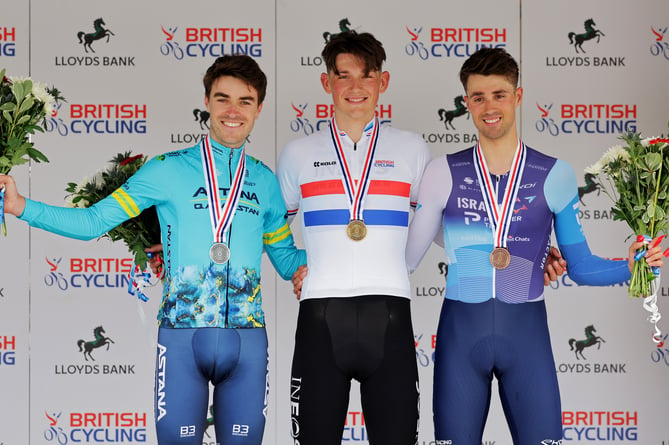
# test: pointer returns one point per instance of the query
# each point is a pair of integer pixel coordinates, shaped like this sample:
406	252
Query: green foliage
24	104
137	233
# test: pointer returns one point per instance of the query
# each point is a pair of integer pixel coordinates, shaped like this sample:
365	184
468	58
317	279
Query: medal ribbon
356	194
221	219
500	214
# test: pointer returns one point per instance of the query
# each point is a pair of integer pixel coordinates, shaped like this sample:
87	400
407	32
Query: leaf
26	105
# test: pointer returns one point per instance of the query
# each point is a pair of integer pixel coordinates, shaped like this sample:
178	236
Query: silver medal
219	253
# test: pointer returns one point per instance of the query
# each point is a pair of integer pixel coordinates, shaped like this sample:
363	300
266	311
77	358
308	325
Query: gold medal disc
356	229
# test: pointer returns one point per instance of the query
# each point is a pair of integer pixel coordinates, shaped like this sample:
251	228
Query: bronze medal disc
500	258
219	253
356	229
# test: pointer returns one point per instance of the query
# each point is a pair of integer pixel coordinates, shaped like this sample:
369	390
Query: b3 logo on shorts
240	430
187	431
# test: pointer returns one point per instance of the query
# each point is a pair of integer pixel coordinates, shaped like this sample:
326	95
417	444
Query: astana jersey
450	196
197	292
312	181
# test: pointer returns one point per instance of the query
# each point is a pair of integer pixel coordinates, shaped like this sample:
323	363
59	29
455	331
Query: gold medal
500	258
356	229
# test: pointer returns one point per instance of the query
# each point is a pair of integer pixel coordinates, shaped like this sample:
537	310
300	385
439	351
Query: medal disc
219	253
500	258
356	229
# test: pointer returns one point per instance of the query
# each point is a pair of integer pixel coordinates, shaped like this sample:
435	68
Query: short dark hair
364	46
240	66
490	61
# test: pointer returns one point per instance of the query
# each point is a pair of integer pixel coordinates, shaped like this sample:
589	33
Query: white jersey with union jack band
311	180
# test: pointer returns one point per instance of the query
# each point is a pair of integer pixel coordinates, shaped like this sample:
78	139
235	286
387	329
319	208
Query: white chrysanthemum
617	152
40	92
594	169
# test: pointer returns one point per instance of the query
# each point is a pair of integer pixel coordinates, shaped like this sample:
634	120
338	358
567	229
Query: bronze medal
356	229
500	258
219	253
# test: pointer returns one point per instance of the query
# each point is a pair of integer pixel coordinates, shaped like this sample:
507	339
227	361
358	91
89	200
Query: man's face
492	102
233	108
355	93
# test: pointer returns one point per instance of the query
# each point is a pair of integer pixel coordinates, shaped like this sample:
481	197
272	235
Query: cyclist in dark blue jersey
498	203
212	326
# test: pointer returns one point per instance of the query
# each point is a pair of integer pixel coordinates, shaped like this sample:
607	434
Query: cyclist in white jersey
354	183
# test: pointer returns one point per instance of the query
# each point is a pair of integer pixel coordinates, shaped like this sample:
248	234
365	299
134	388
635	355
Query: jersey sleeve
277	237
583	267
287	176
422	160
126	202
433	192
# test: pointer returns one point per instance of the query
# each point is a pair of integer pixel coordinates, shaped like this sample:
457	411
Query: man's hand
298	278
555	266
155	254
654	256
14	203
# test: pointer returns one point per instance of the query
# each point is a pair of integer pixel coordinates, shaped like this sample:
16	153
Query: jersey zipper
227	265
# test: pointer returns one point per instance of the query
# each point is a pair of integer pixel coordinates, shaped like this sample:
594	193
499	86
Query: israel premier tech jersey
548	197
197	292
493	322
311	180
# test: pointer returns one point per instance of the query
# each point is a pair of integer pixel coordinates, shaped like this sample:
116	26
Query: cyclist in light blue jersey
219	209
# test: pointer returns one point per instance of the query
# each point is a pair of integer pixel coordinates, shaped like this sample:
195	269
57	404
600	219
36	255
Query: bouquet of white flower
636	178
24	104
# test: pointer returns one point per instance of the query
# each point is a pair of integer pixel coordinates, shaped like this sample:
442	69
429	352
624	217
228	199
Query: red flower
658	140
131	159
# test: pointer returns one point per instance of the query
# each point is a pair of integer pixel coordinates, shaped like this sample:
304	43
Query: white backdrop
55	291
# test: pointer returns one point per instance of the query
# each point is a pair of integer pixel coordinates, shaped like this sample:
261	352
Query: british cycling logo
452	42
89	41
206	42
659	47
581	365
95	427
86	273
100	340
321	115
425	349
97	118
660	353
7	43
589	38
585	118
8	350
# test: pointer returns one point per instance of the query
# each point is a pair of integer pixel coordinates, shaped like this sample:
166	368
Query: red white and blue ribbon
221	218
356	190
500	214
